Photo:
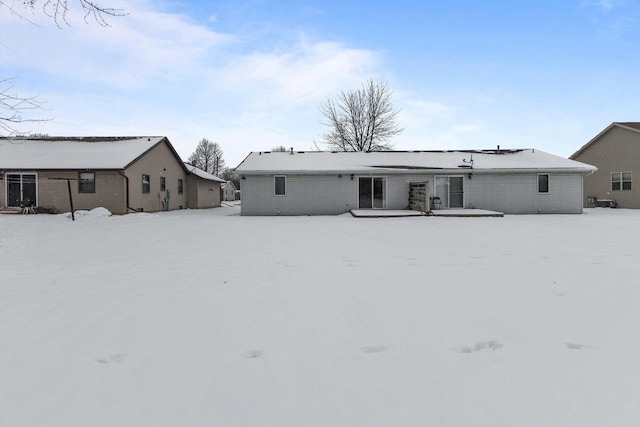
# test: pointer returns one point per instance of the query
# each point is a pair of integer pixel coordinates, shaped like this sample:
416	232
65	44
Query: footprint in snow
114	358
253	354
479	346
576	346
374	349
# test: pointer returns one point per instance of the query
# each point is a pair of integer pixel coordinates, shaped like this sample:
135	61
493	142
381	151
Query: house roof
201	173
631	126
406	161
229	183
76	152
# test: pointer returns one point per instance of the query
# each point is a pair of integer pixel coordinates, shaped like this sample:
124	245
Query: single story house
122	174
203	188
229	191
615	152
521	181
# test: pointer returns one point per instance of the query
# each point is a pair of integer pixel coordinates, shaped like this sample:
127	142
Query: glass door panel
442	190
13	190
378	193
365	193
456	192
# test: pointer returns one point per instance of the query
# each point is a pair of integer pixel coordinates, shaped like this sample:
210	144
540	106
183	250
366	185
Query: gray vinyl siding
305	195
513	193
517	193
318	194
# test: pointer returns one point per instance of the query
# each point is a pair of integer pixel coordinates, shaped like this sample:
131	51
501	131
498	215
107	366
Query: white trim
384	196
274	186
6	185
622	180
448	198
548	183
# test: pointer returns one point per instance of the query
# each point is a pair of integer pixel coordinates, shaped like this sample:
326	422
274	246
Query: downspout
126	180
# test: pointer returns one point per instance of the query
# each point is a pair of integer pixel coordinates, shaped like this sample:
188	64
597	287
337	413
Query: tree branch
14	105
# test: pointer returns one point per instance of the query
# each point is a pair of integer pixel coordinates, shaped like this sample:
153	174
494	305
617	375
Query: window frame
621	181
163	183
275	185
180	186
548	183
146	189
81	189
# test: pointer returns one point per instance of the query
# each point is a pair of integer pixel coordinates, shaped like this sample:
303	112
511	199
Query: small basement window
86	182
543	183
280	185
146	184
621	181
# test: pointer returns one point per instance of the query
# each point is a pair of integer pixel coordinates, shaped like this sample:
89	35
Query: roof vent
291	151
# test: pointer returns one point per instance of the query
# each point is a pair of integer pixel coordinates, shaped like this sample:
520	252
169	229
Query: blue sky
251	74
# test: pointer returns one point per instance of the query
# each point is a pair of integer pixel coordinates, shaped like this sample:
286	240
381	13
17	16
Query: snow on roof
405	161
201	173
73	153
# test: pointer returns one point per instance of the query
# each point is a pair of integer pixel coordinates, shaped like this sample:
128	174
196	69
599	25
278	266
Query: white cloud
607	5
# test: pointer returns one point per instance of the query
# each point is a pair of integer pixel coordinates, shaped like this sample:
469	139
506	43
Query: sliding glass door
371	193
21	187
450	189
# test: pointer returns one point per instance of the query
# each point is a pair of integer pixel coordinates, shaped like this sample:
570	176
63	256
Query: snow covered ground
207	318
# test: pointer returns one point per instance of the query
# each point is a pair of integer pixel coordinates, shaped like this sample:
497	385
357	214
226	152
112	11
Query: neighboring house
203	188
122	174
615	152
325	183
229	191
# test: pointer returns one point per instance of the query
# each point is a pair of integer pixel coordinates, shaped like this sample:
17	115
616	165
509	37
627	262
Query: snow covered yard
206	318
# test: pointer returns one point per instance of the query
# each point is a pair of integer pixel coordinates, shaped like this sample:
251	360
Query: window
280	183
621	181
146	183
86	182
180	186
543	183
163	184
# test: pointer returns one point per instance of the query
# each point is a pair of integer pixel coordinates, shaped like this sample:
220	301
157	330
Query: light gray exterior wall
513	193
517	193
618	150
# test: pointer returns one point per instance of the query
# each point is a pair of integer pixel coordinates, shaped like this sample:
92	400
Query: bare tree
279	149
58	10
361	120
12	105
229	174
208	157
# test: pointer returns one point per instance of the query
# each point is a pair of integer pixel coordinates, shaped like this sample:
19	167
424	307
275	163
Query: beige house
203	188
616	153
122	174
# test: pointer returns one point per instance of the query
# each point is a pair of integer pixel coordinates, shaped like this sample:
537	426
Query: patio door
371	192
21	187
450	189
